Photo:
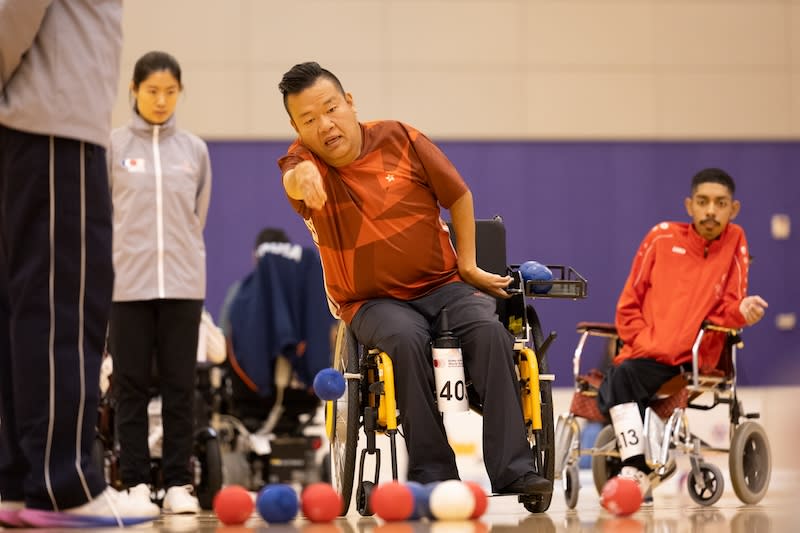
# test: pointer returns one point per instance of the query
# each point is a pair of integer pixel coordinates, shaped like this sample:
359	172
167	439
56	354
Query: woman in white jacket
160	179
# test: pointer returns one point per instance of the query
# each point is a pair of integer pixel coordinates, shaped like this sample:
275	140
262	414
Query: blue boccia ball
535	271
329	384
422	496
425	499
277	503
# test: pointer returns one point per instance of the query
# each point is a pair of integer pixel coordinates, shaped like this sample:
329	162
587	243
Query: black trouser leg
55	231
178	325
488	351
404	334
132	341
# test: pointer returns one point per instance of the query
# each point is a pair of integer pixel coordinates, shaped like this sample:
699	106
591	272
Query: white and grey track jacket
160	179
59	66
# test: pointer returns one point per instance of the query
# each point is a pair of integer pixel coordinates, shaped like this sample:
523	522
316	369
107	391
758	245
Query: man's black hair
270	235
302	76
713	175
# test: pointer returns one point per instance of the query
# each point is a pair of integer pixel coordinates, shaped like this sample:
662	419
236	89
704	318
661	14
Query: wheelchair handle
708	326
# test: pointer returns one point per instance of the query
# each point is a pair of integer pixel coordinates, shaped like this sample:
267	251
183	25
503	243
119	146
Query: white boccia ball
452	500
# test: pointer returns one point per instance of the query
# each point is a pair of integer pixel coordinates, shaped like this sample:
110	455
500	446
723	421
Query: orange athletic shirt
678	280
380	234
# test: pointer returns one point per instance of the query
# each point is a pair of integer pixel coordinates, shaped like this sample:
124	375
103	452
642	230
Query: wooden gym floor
672	512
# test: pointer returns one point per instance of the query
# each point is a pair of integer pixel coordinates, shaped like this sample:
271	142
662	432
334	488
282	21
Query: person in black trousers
55	259
160	179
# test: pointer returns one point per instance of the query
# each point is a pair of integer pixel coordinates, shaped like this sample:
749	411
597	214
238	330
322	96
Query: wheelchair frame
749	457
369	399
280	446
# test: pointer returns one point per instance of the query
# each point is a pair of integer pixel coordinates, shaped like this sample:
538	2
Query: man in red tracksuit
682	275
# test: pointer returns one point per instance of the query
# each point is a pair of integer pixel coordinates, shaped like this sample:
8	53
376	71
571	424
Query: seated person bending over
683	274
370	194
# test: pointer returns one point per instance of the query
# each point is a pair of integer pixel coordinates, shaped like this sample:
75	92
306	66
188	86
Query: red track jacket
678	280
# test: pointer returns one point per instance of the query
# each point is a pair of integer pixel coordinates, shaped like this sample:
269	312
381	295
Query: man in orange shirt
370	193
682	275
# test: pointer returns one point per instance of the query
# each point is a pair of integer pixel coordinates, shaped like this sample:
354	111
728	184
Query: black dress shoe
530	484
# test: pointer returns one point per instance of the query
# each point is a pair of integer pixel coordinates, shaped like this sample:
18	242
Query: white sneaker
641	479
107	509
140	493
9	513
179	500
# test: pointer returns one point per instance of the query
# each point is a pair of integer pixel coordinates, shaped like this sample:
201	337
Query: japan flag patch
134	164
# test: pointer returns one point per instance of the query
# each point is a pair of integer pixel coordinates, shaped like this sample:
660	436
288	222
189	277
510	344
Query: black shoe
530	484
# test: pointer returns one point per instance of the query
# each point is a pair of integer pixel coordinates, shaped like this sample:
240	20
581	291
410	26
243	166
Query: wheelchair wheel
363	494
605	466
207	451
341	418
572	486
710	490
749	462
543	444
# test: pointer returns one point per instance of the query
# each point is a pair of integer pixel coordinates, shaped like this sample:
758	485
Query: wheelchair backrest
490	255
490	244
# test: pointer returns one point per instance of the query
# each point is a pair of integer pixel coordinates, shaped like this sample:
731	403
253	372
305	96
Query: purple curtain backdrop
583	204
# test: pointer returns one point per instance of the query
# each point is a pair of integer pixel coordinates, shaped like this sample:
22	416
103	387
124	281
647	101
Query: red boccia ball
621	496
481	500
392	501
320	502
233	505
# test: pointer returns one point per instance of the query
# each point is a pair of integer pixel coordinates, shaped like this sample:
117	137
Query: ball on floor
320	502
452	500
481	500
621	496
392	501
233	505
277	503
422	495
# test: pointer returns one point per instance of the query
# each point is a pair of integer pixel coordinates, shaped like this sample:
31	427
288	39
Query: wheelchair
369	399
268	439
206	458
666	429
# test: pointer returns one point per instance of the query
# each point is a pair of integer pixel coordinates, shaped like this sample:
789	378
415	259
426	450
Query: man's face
711	208
326	122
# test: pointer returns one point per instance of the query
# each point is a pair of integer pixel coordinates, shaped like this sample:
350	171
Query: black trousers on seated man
633	381
404	330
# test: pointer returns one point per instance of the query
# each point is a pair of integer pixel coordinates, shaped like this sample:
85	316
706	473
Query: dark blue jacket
281	308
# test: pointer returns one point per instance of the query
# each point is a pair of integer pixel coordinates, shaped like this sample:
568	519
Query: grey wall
584	204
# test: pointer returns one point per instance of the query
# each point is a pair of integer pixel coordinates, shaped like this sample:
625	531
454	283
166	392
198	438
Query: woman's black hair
155	61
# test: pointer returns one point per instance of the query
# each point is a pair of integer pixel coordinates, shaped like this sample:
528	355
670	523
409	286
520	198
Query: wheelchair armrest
606	329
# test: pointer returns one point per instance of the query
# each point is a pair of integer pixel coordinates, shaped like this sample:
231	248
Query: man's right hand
304	182
752	309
